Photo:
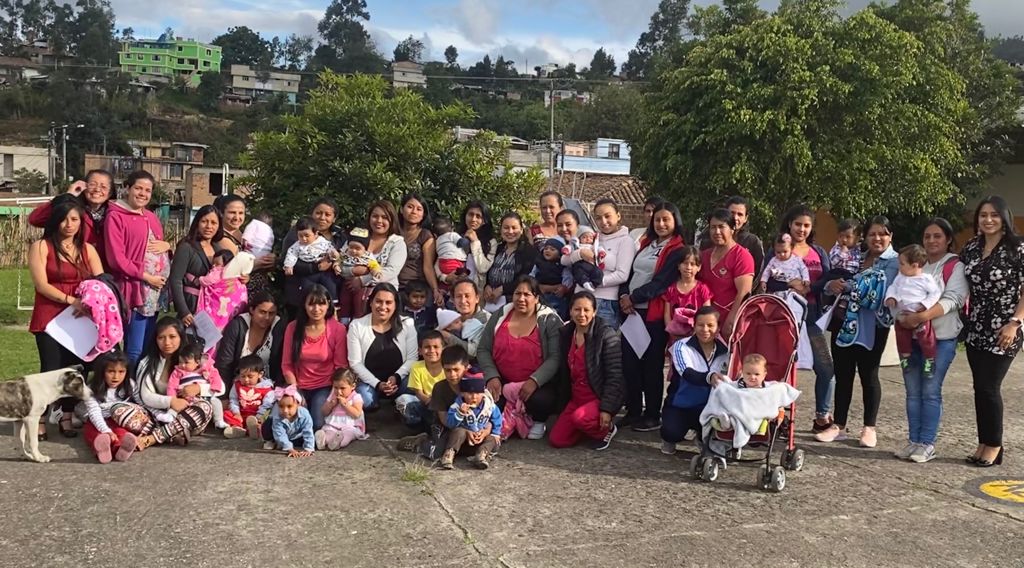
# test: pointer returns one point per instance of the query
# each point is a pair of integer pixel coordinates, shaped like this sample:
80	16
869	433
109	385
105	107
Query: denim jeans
138	335
414	414
824	373
315	399
371	396
924	395
608	310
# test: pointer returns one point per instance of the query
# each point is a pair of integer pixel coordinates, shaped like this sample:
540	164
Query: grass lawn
17	346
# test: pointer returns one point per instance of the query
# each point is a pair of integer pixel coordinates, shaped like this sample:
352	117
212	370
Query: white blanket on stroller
744	409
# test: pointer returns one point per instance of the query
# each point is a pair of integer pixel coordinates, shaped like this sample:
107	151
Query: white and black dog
25	399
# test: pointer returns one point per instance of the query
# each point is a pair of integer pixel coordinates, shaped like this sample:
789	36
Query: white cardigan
361	336
391	258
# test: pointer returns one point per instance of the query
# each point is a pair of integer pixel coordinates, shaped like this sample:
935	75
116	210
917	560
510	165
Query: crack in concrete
467	537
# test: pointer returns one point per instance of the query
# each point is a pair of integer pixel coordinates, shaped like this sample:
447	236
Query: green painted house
169	58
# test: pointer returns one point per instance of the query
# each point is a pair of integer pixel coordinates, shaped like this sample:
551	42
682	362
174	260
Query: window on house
206	63
175	171
246	79
138	56
208	52
180	48
181	61
144	70
156	58
193	62
216	184
613	151
289	83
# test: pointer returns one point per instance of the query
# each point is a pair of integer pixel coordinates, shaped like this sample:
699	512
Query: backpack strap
948	267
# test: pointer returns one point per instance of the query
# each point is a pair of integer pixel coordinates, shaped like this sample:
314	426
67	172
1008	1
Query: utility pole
64	153
551	137
49	160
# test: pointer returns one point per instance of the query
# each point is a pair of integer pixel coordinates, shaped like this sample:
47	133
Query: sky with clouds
529	32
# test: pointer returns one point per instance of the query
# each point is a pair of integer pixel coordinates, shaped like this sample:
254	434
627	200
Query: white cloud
477	19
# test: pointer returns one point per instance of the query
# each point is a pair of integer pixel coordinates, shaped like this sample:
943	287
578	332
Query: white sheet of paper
77	335
495	305
635	332
206	329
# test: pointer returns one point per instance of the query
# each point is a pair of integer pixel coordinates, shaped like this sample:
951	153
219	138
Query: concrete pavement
227	503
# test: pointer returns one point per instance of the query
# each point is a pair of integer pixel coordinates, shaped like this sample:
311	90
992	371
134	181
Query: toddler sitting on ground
195	377
251	399
473	418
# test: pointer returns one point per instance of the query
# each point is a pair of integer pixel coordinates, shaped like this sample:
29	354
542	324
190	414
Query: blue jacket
871	284
287	430
478	418
691	371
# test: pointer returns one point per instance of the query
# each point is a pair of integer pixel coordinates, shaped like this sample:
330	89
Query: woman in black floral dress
994	261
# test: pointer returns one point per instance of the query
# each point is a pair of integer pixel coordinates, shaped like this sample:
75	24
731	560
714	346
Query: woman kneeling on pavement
697	362
592	365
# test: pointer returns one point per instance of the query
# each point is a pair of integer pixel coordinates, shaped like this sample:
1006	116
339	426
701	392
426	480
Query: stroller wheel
764	477
695	471
778	479
793	460
710	469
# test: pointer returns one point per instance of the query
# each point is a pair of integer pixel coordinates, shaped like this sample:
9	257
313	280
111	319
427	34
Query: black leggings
645	377
988	371
848	362
53	356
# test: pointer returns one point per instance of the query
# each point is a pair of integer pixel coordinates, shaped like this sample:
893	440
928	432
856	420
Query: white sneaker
668	448
904	454
221	425
588	287
537	431
320	439
924	453
269	445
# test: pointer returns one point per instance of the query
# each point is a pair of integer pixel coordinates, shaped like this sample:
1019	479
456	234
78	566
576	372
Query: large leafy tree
855	115
451	57
602	65
356	142
242	46
347	47
409	49
297	51
664	31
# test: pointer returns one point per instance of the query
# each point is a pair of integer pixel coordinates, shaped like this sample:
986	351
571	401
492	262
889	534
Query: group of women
580	368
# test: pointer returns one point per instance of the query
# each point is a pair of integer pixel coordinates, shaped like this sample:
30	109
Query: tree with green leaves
855	115
357	141
297	51
602	65
242	46
347	47
211	87
665	30
409	49
451	57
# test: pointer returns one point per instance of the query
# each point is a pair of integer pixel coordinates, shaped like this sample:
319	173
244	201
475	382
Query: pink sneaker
128	444
833	434
868	437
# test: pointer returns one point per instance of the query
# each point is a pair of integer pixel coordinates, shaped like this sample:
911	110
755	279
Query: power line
531	79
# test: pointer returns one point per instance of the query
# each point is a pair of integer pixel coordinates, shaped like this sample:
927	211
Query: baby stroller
766	324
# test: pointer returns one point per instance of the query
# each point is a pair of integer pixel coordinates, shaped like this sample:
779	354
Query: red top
516	358
250	398
581	391
720	277
812	260
41	215
65	278
695	298
318	358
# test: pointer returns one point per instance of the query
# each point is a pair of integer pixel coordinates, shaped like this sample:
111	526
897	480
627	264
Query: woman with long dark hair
387	247
315	346
193	259
259	331
160	358
513	258
414	219
655	267
324	213
382	347
475	226
58	262
994	261
137	257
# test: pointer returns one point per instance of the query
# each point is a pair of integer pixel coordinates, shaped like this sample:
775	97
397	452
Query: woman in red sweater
92	195
315	346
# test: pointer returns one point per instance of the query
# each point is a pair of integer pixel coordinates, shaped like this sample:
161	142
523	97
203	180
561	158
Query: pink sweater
125	236
319	357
